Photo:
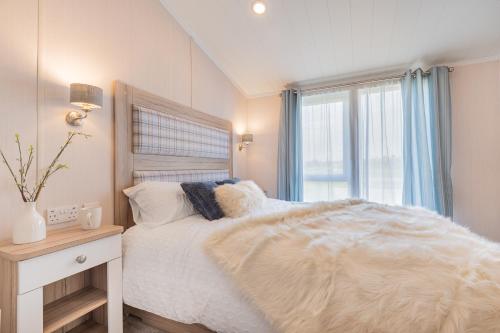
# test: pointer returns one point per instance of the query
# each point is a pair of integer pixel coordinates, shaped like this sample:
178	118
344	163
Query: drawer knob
81	259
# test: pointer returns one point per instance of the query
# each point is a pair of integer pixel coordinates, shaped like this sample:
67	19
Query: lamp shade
247	138
85	96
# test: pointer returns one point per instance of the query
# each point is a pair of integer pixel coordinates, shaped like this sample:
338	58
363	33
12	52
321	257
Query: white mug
90	217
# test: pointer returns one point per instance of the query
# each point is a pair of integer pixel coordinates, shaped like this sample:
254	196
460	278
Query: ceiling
302	40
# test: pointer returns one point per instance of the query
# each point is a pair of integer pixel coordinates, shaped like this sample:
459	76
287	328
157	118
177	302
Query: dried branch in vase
20	175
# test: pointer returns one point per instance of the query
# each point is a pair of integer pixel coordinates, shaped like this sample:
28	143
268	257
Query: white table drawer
37	272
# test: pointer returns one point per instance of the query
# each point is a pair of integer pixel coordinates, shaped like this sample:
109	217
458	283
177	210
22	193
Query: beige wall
18	33
476	147
263	122
476	142
97	42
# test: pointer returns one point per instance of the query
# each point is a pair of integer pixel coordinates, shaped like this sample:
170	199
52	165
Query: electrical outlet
62	214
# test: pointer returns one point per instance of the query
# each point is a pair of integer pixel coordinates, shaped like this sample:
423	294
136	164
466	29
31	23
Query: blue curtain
427	140
290	177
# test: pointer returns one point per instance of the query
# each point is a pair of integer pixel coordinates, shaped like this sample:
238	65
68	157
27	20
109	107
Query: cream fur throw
239	199
358	267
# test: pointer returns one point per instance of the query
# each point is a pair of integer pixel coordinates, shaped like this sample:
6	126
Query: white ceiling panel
304	40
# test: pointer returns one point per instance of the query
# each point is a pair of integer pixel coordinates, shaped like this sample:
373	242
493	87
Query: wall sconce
87	98
246	139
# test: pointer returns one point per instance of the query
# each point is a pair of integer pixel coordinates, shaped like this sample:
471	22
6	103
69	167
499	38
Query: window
353	144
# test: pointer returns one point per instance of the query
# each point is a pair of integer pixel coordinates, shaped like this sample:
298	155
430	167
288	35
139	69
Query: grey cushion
202	196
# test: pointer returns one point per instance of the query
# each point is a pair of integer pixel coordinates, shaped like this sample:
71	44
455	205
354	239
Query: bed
347	266
170	259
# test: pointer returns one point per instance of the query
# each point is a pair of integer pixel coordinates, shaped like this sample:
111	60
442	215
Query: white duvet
167	272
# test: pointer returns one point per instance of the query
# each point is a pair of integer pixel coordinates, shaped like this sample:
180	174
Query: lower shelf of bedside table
89	326
71	307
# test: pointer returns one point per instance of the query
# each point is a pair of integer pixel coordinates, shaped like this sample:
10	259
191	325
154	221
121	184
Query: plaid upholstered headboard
157	139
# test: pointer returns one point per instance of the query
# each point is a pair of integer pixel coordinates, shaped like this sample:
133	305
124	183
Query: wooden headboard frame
126	161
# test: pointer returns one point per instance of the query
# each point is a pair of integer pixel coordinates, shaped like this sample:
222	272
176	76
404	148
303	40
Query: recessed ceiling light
259	7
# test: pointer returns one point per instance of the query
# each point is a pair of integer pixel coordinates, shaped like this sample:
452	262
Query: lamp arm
74	118
242	146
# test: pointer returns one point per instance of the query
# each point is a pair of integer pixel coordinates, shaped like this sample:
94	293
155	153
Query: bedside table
27	270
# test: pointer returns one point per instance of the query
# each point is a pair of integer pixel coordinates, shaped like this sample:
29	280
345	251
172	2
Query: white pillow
156	203
239	199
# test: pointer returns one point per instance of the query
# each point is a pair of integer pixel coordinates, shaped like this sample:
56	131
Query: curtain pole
355	83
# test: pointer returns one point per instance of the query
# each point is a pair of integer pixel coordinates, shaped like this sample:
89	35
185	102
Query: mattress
166	272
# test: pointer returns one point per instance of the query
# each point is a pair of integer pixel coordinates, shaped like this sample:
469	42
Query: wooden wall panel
61	288
18	33
99	280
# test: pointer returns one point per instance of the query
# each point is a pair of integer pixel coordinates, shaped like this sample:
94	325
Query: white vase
30	226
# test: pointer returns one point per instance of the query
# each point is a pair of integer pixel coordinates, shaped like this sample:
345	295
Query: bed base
164	324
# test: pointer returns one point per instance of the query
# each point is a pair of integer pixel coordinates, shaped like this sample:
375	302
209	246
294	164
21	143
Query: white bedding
166	272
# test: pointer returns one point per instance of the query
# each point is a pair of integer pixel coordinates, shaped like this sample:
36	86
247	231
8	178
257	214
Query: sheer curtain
325	128
380	142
